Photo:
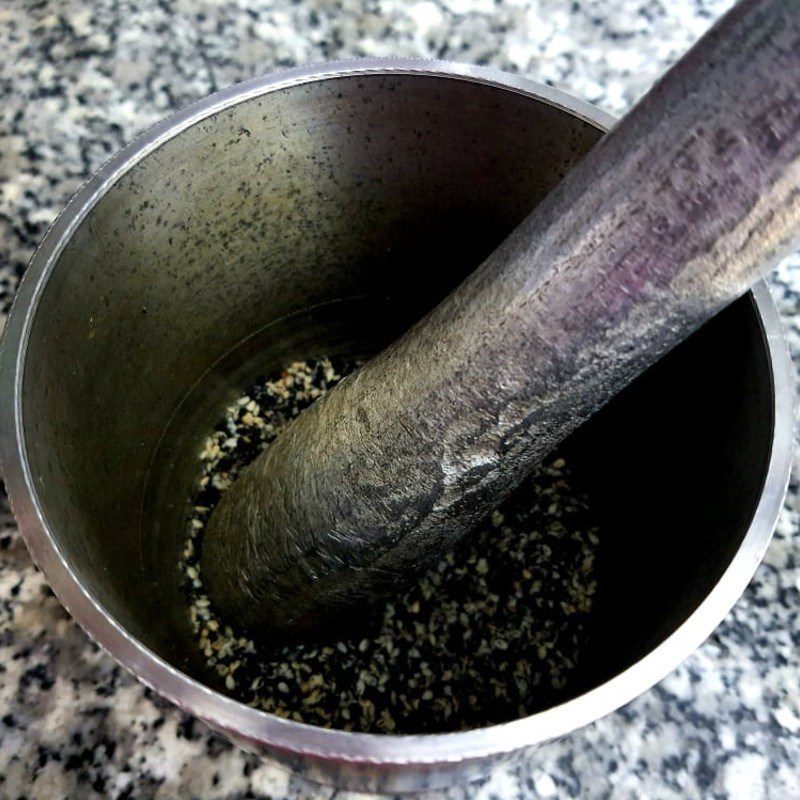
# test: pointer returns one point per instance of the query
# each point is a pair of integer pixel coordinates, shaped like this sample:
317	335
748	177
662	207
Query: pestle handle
672	216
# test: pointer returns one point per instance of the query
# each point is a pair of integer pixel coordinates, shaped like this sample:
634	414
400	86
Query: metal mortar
312	212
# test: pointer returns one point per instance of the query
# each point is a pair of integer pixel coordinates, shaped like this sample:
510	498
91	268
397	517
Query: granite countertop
81	77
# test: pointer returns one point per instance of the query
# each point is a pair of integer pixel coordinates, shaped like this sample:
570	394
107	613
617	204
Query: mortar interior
324	218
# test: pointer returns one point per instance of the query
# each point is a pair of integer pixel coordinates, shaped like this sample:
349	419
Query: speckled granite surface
80	77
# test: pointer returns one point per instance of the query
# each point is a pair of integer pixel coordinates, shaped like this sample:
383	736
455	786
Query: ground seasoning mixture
492	633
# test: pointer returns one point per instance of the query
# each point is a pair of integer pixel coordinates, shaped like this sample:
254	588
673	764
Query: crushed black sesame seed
493	632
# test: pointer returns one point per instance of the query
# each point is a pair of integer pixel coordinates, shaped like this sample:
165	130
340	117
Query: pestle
682	206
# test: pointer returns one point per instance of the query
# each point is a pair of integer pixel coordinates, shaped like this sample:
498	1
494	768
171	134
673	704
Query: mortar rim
243	722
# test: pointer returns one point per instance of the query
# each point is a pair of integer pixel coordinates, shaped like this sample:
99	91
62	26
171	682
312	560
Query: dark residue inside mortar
491	633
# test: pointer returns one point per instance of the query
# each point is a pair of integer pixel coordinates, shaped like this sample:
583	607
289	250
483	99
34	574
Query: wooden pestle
673	215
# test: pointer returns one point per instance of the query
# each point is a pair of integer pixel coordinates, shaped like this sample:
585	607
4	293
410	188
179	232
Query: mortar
301	215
